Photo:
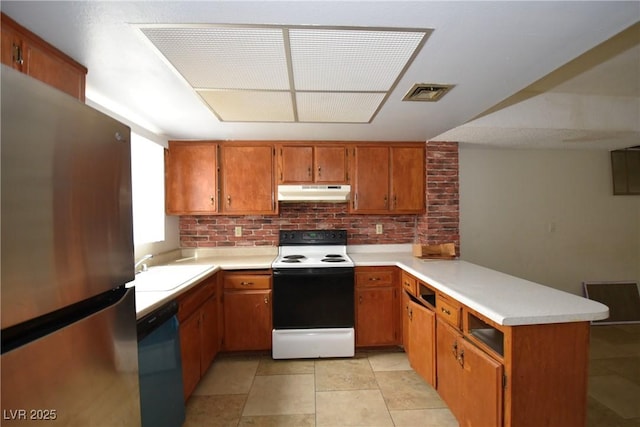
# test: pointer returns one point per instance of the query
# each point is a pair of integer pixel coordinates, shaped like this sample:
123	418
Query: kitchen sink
167	277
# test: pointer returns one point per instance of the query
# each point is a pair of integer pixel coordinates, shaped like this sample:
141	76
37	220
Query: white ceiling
526	74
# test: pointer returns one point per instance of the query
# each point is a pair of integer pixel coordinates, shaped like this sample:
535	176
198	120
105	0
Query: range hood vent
314	193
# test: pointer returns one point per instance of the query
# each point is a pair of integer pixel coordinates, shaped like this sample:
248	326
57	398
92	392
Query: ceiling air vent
427	92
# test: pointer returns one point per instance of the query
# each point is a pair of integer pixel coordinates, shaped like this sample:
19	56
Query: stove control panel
313	237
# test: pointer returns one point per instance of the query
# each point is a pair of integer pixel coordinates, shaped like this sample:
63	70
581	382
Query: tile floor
379	388
614	376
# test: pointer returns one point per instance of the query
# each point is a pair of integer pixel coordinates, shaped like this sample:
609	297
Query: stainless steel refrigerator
69	348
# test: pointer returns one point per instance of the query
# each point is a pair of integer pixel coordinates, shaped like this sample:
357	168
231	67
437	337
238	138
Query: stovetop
312	249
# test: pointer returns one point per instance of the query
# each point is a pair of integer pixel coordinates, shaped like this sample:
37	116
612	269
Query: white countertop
505	299
147	301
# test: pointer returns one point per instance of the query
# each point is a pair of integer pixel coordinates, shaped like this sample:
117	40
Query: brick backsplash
439	224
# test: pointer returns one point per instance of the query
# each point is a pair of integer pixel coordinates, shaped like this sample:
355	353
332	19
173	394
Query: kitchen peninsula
505	351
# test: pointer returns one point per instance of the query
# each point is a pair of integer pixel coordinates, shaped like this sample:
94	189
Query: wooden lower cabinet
247	311
377	314
468	380
199	338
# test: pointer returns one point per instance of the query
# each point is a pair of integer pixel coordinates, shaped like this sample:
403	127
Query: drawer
189	302
409	283
448	310
376	277
247	281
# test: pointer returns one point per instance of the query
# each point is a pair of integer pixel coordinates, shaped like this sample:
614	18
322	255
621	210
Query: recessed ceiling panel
352	60
225	57
255	73
337	107
249	106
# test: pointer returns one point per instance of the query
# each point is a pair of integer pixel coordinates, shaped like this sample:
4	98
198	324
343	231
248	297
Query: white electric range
313	295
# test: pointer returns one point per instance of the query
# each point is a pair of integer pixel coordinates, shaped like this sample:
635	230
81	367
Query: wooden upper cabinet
370	179
28	53
303	164
247	178
408	179
295	164
388	179
330	165
191	178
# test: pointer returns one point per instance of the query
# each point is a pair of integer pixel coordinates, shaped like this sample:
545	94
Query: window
147	181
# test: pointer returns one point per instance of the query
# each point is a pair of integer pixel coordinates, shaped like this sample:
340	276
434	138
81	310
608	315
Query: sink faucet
142	261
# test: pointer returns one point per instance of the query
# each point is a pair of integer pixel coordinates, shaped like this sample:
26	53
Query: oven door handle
330	271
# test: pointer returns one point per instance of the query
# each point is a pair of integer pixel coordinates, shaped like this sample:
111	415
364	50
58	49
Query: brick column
441	222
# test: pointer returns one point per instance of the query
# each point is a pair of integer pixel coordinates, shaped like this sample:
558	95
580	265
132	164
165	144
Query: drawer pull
374	279
461	358
445	311
246	283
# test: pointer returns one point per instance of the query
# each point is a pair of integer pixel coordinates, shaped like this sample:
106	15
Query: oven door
309	298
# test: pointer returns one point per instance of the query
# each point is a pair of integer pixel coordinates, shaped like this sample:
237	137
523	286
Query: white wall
548	216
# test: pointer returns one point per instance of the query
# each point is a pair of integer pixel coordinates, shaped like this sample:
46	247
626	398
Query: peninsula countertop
505	299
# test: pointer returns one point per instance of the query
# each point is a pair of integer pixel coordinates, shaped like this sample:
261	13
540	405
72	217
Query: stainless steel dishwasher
160	368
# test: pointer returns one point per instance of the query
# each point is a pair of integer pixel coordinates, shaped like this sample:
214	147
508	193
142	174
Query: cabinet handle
246	283
410	312
266	299
309	171
395	201
228	200
454	348
360	299
461	358
445	311
386	201
374	279
319	171
211	199
17	54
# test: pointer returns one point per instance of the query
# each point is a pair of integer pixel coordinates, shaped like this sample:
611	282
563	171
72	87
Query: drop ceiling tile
350	60
337	107
224	57
250	106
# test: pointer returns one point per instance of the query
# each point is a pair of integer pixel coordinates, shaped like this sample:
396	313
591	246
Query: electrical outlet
238	231
378	228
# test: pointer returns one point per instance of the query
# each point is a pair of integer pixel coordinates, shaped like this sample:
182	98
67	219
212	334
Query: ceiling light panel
225	57
249	106
337	107
350	60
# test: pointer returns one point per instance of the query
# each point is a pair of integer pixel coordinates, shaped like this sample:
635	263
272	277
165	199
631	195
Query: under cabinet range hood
313	193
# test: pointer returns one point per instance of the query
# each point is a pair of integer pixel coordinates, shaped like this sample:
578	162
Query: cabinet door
247	320
208	333
330	165
11	43
422	335
407	179
482	387
248	179
370	176
406	323
295	164
190	352
191	178
28	53
375	316
448	372
41	65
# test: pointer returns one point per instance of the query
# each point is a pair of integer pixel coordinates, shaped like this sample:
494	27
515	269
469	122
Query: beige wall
548	216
